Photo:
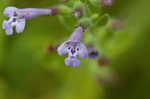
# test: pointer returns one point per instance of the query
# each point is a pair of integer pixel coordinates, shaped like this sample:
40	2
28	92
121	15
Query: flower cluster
106	2
73	46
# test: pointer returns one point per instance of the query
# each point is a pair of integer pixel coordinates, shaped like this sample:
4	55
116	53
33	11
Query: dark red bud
54	11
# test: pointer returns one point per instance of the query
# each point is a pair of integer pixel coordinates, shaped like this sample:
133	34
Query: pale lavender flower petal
20	26
9	30
72	61
7	27
4	24
83	51
9	11
32	12
76	62
106	2
68	62
62	50
77	34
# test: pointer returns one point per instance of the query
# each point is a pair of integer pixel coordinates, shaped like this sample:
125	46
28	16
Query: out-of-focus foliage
27	71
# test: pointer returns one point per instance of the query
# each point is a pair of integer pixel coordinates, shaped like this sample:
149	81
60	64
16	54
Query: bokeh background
29	71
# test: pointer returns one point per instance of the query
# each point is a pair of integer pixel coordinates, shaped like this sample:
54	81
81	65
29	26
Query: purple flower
17	18
73	47
106	2
92	53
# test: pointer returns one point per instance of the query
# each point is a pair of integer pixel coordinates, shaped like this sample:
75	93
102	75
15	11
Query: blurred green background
27	71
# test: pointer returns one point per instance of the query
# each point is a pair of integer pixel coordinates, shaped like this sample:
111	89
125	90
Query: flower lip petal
20	25
4	24
9	31
83	52
76	63
62	49
72	61
68	62
7	27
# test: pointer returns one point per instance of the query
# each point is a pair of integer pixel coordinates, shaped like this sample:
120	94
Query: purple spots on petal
15	14
9	11
69	48
14	20
73	51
